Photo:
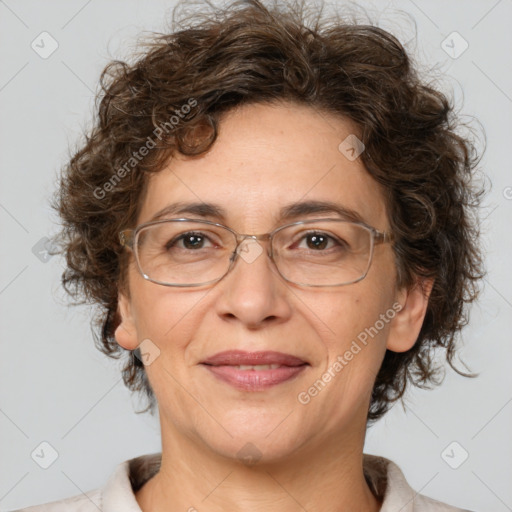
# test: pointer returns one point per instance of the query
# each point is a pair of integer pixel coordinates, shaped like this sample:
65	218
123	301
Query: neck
323	476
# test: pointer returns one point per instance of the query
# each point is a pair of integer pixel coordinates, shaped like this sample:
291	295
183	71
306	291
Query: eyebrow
287	213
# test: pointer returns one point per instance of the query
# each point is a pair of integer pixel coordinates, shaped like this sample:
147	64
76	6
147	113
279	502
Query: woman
270	215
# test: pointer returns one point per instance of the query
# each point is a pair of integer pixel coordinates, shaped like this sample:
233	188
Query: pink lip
224	366
237	357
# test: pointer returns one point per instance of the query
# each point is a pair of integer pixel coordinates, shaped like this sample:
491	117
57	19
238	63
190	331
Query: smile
254	371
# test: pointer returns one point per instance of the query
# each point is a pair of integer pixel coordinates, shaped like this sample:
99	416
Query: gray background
56	387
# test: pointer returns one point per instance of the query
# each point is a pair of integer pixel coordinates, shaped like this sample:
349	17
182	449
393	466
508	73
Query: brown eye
190	241
317	241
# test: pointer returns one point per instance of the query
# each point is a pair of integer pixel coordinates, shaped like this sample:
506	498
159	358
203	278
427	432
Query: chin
257	438
256	451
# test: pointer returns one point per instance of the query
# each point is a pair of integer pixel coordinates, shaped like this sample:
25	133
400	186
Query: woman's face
265	158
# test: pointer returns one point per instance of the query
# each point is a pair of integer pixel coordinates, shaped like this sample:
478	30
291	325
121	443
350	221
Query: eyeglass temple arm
381	238
126	238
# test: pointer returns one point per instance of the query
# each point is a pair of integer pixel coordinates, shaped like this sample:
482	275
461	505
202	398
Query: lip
241	357
224	366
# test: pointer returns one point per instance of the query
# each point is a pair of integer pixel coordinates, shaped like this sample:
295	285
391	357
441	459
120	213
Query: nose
253	292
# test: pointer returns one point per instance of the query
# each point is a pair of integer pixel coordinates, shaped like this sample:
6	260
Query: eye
319	241
191	240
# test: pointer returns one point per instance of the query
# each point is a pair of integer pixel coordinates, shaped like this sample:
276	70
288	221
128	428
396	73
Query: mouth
254	371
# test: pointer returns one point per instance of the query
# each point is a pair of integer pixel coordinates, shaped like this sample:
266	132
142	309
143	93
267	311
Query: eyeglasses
188	252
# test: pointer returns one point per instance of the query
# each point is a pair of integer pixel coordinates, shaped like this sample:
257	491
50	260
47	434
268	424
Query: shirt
384	477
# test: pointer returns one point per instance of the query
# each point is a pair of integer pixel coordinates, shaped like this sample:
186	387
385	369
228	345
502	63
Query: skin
311	455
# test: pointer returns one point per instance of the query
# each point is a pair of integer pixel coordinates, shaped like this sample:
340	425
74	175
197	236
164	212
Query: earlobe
406	325
125	333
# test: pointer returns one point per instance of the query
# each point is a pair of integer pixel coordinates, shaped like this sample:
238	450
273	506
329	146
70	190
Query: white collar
384	477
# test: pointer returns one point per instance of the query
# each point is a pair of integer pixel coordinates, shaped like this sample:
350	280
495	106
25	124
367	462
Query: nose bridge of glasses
249	248
240	237
246	240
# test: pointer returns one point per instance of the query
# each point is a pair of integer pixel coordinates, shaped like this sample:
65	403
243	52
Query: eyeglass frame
128	236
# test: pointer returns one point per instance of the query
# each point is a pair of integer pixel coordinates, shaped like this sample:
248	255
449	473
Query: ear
125	333
406	326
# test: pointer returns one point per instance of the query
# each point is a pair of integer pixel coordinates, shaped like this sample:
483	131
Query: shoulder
90	502
388	482
118	494
425	504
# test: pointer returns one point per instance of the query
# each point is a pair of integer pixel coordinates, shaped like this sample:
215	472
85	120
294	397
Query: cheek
355	344
353	312
169	319
358	322
164	315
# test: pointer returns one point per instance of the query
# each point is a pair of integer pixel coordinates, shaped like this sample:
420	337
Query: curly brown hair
173	96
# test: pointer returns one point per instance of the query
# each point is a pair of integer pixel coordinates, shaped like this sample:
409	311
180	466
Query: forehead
265	158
